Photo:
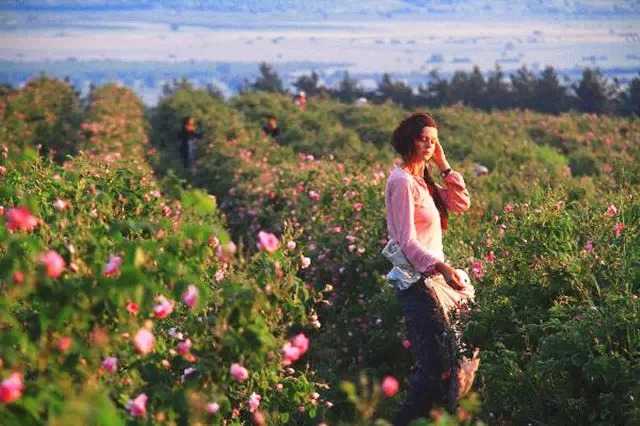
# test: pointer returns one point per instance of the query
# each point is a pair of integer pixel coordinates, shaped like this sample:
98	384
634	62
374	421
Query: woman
417	215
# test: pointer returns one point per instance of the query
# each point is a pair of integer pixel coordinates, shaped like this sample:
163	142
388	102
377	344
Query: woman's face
426	144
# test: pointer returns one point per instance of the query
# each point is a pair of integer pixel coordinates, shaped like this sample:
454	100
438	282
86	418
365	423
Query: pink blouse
413	219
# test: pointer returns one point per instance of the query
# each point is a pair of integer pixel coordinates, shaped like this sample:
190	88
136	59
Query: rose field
251	289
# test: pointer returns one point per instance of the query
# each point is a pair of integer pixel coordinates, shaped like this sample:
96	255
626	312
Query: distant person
426	286
189	136
301	100
271	128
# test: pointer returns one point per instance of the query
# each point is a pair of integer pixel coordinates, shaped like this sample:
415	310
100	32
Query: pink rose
508	208
238	372
163	308
588	246
144	341
53	263
490	257
184	347
290	354
301	342
60	205
305	262
20	219
213	407
358	206
132	308
313	195
110	364
112	267
64	344
190	296
477	269
612	210
390	386
11	388
138	406
267	242
254	402
18	277
618	228
224	252
406	343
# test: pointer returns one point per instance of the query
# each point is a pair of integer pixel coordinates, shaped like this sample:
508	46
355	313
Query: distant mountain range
333	8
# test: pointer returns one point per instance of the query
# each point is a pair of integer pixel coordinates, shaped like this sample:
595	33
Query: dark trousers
427	330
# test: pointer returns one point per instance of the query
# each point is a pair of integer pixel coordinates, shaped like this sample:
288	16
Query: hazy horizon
402	46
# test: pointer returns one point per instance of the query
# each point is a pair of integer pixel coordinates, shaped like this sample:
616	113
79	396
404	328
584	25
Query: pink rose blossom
254	402
406	343
267	242
301	342
490	257
190	296
64	344
290	354
508	208
110	364
144	341
138	406
305	262
291	245
132	308
358	206
224	252
477	269
11	388
60	205
112	267
184	347
238	372
390	386
588	246
313	195
618	228
164	307
612	210
213	407
18	277
53	263
20	219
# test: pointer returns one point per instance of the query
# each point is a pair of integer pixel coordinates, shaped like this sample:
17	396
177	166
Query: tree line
543	91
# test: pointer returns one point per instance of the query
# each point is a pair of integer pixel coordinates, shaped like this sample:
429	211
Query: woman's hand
450	276
439	158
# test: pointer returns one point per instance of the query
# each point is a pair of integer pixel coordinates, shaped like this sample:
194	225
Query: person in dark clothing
271	128
189	136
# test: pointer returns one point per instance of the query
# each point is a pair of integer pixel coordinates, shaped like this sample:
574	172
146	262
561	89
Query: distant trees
396	91
268	81
549	95
348	89
308	84
523	88
630	100
595	93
